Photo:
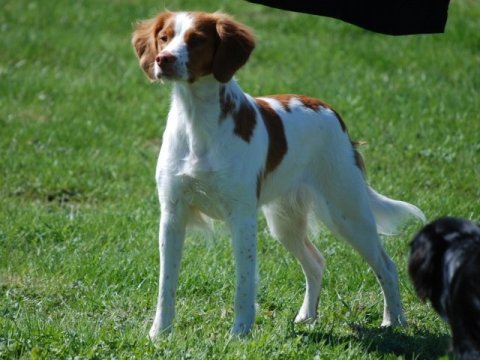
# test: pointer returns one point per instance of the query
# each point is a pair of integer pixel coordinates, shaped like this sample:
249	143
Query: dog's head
431	251
188	46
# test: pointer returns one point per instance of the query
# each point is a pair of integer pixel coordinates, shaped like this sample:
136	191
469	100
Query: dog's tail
391	215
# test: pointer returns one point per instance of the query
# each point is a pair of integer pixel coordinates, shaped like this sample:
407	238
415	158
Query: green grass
80	128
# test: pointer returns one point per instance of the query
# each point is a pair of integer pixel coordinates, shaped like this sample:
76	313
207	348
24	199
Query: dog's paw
305	318
157	331
241	329
396	321
152	334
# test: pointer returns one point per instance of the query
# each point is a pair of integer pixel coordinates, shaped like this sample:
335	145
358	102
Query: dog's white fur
205	169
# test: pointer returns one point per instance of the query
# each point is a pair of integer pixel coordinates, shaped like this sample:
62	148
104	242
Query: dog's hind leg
287	221
344	207
365	240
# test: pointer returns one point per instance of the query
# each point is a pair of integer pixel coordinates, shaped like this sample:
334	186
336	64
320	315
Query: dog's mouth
165	73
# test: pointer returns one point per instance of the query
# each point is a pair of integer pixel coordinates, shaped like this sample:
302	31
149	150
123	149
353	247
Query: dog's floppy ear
143	41
236	44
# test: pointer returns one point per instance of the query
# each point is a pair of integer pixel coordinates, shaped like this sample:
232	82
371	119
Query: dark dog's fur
445	269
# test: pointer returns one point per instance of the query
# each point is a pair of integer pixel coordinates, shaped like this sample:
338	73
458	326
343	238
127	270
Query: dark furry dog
445	269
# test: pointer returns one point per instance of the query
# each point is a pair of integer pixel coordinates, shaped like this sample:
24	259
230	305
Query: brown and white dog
226	154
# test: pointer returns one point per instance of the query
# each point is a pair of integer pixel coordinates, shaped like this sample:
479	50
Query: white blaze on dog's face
172	58
187	46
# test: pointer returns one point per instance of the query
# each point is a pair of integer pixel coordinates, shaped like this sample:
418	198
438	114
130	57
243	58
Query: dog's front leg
171	239
244	239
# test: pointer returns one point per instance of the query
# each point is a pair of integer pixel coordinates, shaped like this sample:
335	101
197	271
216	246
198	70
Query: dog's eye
163	38
196	40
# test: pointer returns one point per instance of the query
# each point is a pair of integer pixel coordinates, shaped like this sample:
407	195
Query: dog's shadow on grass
385	341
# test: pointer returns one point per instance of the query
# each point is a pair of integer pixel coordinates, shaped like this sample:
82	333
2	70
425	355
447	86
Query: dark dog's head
427	255
444	267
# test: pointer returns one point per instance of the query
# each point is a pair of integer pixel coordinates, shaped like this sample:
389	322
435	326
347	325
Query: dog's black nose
165	58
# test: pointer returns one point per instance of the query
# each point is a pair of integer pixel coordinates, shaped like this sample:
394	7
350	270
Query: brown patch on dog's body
245	121
244	117
315	105
277	141
283	99
312	103
308	102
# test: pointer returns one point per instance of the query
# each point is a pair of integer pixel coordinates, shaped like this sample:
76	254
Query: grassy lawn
80	129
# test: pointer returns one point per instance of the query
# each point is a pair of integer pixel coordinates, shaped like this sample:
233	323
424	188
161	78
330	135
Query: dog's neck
202	93
200	107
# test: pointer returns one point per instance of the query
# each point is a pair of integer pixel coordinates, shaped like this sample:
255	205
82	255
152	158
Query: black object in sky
392	17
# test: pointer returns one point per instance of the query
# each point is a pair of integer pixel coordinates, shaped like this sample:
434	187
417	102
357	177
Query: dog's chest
203	197
212	183
203	187
198	181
